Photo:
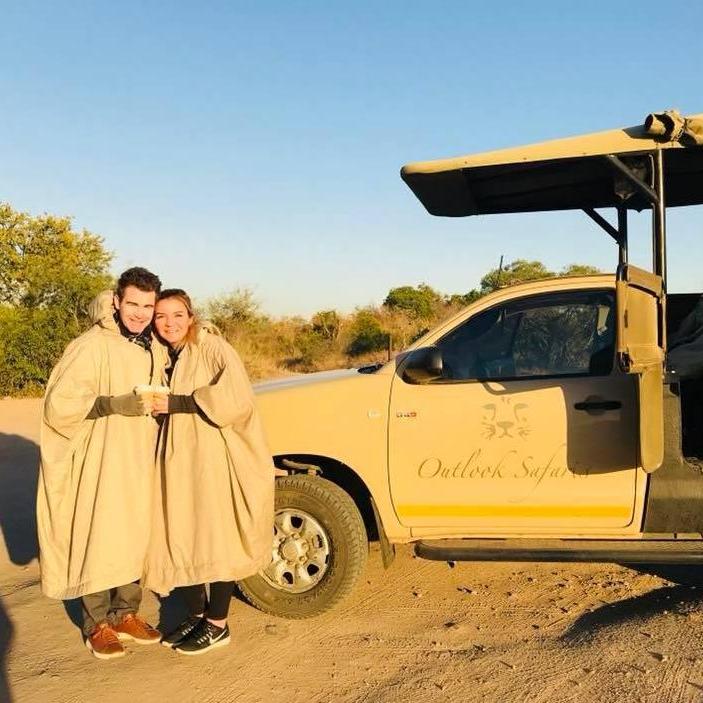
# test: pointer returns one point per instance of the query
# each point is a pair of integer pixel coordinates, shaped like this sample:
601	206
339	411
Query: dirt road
420	631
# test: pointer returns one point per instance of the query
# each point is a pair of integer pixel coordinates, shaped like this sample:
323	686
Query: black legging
216	607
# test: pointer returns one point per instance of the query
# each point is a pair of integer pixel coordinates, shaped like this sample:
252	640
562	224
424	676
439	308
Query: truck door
531	426
640	352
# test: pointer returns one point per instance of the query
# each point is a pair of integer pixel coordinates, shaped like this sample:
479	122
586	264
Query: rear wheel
319	550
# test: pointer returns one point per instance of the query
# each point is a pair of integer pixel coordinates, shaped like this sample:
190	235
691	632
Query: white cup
148	392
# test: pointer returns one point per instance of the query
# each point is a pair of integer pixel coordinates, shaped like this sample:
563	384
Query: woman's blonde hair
180	294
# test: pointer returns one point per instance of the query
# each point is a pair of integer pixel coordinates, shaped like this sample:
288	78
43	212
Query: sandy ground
420	631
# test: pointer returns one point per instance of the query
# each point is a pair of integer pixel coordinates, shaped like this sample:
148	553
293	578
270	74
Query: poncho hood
101	311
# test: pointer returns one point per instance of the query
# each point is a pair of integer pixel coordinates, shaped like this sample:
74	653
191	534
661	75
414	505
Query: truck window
552	335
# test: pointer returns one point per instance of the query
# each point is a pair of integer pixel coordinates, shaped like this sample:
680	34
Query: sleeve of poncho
229	399
72	390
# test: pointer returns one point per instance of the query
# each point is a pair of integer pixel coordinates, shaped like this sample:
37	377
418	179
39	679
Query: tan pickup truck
542	423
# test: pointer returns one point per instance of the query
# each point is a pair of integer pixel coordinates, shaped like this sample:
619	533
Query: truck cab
548	421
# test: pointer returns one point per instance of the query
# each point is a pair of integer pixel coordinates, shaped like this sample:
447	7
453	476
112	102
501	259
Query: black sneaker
181	632
203	638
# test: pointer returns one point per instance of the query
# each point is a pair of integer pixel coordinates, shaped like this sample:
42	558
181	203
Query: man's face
136	308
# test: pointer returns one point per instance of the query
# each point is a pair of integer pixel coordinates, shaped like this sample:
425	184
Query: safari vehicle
539	424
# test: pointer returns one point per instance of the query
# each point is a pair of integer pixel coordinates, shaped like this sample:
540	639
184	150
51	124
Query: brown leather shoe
103	642
132	627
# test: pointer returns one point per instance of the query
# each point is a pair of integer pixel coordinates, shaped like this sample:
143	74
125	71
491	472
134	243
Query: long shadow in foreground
6	633
648	605
19	470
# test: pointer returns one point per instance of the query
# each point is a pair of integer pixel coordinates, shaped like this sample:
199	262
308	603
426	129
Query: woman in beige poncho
213	519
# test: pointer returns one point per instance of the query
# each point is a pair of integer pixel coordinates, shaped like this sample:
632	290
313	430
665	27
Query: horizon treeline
49	273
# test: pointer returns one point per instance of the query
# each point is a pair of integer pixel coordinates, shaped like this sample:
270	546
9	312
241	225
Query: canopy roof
566	174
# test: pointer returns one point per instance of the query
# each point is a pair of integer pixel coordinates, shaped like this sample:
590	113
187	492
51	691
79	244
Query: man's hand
159	405
129	404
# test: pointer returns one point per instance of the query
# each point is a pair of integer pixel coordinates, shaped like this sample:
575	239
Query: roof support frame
622	228
659	240
605	225
640	185
659	218
655	194
619	234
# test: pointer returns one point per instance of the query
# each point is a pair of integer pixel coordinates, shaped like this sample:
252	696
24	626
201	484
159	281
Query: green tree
578	270
421	302
49	273
519	271
234	310
366	334
462	299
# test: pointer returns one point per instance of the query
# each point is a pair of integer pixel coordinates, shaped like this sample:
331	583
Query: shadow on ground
19	469
6	634
677	599
74	612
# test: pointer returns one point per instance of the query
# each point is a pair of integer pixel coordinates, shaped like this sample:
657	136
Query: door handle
598	405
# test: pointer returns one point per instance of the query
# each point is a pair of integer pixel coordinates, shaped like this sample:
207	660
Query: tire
319	550
681	574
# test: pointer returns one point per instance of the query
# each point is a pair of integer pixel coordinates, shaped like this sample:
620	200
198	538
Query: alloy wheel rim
300	552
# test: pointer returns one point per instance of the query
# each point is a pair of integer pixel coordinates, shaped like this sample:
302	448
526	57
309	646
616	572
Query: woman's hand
159	405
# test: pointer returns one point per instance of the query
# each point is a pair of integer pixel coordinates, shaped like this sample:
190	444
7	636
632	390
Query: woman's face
172	320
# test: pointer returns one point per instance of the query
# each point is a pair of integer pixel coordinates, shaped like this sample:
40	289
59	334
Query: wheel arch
341	475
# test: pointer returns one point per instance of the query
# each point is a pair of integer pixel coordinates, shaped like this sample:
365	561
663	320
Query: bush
326	324
233	310
366	334
312	347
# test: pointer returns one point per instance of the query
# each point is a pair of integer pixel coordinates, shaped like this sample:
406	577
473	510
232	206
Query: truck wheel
319	550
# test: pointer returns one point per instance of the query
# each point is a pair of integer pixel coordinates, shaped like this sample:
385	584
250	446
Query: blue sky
258	144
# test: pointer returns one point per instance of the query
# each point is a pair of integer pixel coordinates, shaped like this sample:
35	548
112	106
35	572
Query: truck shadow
676	599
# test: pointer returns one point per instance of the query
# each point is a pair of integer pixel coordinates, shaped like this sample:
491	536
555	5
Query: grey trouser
110	605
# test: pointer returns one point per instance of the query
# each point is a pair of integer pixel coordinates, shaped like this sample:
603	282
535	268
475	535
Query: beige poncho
96	477
213	513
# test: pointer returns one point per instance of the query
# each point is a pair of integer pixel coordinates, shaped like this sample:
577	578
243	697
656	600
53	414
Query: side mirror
422	365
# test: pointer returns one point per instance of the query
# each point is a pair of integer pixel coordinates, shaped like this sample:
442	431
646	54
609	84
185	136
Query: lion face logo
505	419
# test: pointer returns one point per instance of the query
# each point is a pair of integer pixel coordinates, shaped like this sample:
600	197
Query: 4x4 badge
406	413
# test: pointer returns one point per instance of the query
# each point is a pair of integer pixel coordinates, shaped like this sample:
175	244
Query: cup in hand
148	394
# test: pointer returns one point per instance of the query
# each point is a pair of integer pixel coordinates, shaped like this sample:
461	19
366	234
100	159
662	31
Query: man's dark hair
139	278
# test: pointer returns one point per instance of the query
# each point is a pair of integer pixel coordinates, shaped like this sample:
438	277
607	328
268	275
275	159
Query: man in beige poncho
97	467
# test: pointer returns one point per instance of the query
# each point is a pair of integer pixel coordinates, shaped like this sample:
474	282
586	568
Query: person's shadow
6	634
19	470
